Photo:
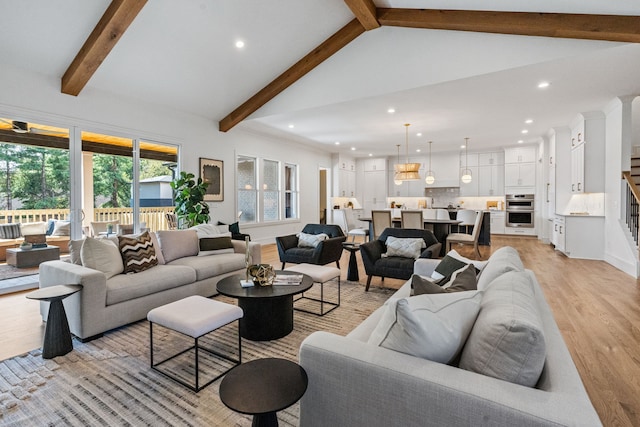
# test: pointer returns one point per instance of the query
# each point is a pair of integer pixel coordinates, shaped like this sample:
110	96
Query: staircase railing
632	205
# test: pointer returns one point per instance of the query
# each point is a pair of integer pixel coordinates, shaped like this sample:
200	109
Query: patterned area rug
108	381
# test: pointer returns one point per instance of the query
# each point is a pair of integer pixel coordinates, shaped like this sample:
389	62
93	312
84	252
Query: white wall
619	250
29	96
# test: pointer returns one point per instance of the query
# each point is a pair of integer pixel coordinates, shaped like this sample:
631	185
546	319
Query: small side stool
319	274
195	316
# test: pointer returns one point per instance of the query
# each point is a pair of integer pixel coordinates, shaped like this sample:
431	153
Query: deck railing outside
154	217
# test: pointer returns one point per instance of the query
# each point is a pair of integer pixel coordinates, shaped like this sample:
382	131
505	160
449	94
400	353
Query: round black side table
263	387
57	337
352	271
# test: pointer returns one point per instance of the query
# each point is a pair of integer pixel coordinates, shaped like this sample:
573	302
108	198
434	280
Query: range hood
444	183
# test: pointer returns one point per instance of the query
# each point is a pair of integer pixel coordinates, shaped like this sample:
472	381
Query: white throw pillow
102	255
431	326
404	247
62	228
310	240
210	230
31	228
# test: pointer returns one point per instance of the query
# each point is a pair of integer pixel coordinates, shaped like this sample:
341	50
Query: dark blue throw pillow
51	224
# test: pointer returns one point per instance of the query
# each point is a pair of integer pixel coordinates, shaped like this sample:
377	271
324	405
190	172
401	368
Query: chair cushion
433	327
507	340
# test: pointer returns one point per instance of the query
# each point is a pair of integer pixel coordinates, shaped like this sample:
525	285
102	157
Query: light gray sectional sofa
110	300
356	383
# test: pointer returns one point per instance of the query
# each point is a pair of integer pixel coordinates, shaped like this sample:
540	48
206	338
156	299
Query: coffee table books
287	279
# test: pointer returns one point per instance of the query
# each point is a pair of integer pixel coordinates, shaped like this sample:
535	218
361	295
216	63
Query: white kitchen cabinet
520	175
347	183
497	222
588	153
375	164
520	155
580	236
374	190
520	231
344	176
491	159
491	180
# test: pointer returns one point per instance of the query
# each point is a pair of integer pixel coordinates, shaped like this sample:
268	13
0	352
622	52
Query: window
290	191
268	193
247	178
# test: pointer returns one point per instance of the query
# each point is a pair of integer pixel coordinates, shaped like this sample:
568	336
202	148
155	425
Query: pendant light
466	173
407	171
430	178
397	181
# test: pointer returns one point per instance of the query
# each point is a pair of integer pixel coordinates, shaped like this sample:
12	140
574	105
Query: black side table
352	271
263	387
57	337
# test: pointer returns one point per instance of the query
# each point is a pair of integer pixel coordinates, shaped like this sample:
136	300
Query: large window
266	193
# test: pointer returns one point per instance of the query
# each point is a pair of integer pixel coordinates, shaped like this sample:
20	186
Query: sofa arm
255	250
87	304
352	383
425	266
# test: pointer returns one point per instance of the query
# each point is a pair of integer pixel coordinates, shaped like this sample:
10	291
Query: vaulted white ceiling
447	84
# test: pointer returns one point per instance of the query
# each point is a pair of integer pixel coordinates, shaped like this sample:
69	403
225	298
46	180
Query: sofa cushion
9	231
102	255
156	244
178	244
125	287
507	340
215	246
211	266
138	253
500	262
75	246
310	240
31	228
61	228
404	247
433	327
461	280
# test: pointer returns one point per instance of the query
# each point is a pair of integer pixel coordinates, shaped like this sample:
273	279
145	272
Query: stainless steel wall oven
520	210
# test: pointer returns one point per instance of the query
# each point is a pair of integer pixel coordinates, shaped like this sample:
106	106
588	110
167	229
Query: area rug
11	272
108	381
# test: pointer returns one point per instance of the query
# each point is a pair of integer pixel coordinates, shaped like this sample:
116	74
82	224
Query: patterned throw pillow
138	253
9	231
404	247
310	240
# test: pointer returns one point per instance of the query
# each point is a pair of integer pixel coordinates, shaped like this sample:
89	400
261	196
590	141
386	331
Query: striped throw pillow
138	253
10	231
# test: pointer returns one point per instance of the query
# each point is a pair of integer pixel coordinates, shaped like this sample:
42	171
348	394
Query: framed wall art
212	172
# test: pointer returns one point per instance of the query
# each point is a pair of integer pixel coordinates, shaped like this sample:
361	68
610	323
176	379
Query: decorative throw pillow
138	253
215	246
433	327
310	240
31	228
461	280
75	246
9	231
404	247
156	245
446	267
102	255
210	230
234	228
178	244
507	340
478	264
51	224
62	228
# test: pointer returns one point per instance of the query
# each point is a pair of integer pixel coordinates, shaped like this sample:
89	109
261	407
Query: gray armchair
395	267
329	250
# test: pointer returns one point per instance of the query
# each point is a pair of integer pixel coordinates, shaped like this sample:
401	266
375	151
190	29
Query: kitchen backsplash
443	197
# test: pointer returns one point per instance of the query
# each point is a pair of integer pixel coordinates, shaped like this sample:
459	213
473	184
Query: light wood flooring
596	306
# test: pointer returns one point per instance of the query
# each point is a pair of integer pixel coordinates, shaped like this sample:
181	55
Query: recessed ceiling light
520	141
419	134
291	126
353	148
528	121
239	44
391	110
337	142
543	85
417	150
462	146
370	155
524	131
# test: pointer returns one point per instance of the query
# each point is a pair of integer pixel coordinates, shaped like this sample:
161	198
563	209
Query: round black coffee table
57	337
268	310
263	387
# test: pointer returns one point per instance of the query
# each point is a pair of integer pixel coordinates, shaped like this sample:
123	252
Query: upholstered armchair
396	267
326	251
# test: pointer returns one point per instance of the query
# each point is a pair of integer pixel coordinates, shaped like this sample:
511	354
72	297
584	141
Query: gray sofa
353	383
107	303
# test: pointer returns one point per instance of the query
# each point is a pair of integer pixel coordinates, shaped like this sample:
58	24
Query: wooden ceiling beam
619	28
314	58
365	12
114	22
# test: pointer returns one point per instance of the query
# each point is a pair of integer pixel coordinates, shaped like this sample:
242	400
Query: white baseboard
628	267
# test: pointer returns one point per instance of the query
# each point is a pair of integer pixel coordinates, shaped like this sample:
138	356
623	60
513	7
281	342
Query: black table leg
270	419
57	337
352	271
266	319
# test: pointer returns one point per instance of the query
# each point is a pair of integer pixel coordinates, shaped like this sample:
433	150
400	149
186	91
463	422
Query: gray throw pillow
446	267
102	255
461	280
178	244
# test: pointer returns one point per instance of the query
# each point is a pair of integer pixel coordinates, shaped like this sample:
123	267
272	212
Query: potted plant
26	246
191	209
